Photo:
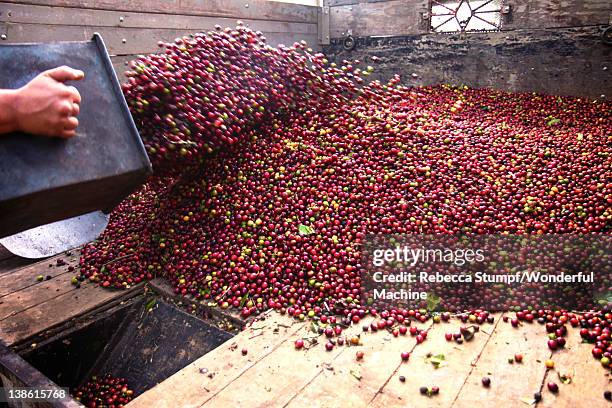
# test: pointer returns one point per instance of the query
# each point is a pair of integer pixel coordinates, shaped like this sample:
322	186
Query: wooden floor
30	309
274	374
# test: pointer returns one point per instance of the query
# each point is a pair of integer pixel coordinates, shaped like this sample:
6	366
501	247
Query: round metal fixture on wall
606	36
349	43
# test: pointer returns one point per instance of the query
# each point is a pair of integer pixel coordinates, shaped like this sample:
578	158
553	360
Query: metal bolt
121	19
3	37
246	5
124	41
605	68
603	96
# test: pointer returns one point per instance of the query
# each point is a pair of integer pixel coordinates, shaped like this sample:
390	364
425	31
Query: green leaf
150	304
580	136
433	301
305	230
565	378
553	121
244	299
355	373
605	297
437	360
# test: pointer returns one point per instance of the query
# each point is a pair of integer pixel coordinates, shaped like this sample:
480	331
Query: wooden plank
19	13
24	277
510	383
323	26
253	9
261	385
119	41
120	64
211	373
450	376
56	311
379	365
333	3
35	294
396	17
554	13
9	264
589	378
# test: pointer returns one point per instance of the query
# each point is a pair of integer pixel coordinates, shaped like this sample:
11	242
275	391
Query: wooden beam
19	13
236	9
119	41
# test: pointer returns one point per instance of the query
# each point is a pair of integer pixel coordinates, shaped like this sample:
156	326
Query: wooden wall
405	17
559	13
549	46
393	17
134	27
560	61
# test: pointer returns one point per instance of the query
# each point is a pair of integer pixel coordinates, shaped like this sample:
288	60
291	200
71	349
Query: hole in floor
144	347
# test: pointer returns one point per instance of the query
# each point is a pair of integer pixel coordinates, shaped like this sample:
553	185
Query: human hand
48	107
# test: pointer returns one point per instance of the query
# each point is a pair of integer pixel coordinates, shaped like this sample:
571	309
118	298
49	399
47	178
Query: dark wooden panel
396	17
248	9
555	13
569	61
120	64
5	253
13	262
19	13
119	41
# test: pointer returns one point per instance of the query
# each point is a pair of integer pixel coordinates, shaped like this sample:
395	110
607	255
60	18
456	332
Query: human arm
45	106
